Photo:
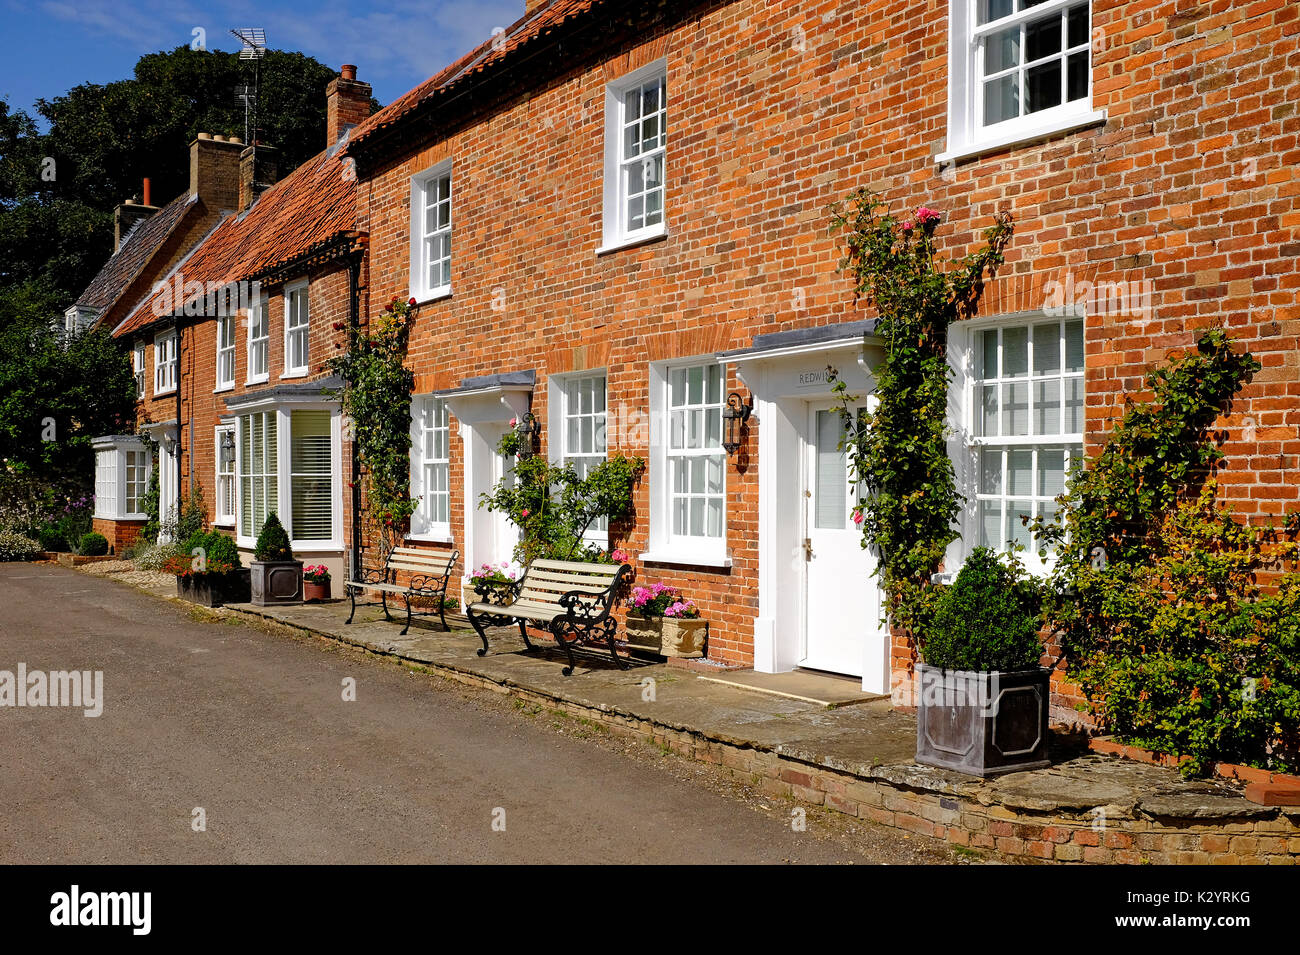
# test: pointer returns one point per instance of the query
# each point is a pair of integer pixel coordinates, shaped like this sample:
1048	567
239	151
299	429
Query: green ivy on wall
376	396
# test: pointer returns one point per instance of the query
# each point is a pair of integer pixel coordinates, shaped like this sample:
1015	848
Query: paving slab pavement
870	739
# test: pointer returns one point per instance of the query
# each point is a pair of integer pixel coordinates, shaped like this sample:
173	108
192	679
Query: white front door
490	536
842	631
505	534
168	511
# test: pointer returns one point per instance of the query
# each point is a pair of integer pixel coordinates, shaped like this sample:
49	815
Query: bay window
123	465
259	466
288	463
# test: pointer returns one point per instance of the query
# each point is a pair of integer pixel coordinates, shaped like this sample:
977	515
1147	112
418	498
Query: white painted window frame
664	546
138	367
220	517
258	320
225	352
615	234
115	450
164	362
419	286
967	448
559	412
282	411
291	291
966	135
423	527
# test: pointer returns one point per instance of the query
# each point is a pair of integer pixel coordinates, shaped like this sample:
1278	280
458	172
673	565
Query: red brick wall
119	534
776	110
328	304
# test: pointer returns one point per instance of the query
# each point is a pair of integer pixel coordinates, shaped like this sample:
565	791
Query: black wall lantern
227	447
737	413
528	429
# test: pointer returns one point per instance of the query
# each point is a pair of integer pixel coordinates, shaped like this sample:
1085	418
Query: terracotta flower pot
315	590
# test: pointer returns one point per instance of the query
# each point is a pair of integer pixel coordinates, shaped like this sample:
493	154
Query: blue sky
53	45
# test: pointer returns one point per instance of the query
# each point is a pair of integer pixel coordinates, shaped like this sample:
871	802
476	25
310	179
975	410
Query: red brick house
229	344
615	215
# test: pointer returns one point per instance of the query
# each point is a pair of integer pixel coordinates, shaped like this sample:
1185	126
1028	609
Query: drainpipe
354	327
180	337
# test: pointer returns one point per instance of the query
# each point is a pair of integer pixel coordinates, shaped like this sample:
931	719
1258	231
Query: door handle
807	548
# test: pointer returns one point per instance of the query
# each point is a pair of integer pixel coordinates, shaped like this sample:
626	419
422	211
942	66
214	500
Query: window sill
223	522
437	295
222	388
294	374
1023	136
258	381
316	547
720	561
631	242
164	394
431	538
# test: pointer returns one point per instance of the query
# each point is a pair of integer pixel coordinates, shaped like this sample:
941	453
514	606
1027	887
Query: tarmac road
252	729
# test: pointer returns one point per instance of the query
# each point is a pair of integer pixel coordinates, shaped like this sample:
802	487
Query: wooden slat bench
567	597
429	574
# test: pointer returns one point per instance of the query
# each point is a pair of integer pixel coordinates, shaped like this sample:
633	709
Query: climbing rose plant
376	395
908	503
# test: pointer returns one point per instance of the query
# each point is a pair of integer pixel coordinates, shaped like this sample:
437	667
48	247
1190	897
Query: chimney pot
205	135
147	193
349	71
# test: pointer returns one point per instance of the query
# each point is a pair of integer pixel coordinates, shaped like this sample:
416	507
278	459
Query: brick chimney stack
259	170
347	104
214	170
130	212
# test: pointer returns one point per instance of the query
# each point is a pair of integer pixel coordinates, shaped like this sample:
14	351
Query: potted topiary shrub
209	571
276	578
660	620
983	697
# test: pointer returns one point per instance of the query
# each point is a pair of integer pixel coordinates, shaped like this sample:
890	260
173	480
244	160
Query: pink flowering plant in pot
315	582
662	620
492	582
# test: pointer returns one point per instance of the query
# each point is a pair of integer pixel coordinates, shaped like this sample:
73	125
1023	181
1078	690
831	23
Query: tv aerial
252	50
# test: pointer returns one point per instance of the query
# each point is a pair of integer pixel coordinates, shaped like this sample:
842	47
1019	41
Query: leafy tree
55	396
103	138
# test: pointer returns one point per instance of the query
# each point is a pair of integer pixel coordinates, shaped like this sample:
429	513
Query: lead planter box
213	590
668	636
982	723
276	582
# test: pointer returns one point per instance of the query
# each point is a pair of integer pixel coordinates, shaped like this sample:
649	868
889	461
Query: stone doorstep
797	753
